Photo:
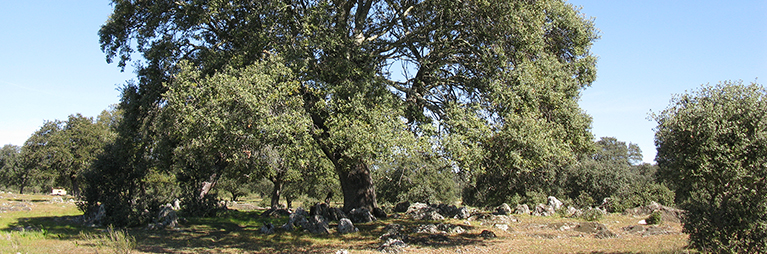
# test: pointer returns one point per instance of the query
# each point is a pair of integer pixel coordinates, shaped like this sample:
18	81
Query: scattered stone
275	213
504	227
421	211
296	219
573	212
345	226
427	229
361	215
176	204
590	227
554	203
633	229
668	214
267	229
448	211
342	251
57	200
393	231
317	225
416	207
450	228
487	234
647	231
503	209
463	213
543	210
563	226
166	218
655	230
95	218
402	207
604	234
330	213
392	246
491	219
15	207
379	213
522	209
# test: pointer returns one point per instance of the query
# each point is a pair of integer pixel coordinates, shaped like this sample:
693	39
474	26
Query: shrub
640	195
712	149
656	217
592	214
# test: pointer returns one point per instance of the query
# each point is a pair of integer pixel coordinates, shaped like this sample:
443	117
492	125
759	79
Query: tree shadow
239	231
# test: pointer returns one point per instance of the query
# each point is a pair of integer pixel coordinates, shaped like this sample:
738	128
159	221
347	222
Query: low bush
656	217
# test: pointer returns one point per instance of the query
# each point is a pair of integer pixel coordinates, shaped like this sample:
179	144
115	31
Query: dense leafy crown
491	85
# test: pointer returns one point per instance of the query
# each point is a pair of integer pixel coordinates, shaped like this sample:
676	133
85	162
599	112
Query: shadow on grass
239	231
55	227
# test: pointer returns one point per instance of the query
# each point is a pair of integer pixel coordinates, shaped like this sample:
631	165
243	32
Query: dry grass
53	229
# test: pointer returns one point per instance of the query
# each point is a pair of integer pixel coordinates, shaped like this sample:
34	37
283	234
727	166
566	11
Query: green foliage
495	84
610	174
592	214
640	194
9	164
712	150
60	151
655	218
415	177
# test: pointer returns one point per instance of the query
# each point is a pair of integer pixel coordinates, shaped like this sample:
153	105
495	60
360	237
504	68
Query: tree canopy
493	85
712	145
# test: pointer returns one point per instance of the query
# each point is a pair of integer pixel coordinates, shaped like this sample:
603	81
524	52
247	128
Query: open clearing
46	224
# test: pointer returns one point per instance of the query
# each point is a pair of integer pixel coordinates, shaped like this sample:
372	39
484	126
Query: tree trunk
357	186
276	191
75	185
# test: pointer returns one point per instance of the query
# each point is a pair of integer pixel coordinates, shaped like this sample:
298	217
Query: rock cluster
361	215
315	224
166	218
668	214
422	211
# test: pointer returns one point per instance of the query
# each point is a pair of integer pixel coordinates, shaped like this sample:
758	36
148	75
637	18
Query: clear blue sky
51	65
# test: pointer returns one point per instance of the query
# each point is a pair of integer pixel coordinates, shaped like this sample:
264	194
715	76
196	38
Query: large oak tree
498	79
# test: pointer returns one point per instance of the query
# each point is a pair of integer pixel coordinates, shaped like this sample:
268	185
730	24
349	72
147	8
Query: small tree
9	156
712	148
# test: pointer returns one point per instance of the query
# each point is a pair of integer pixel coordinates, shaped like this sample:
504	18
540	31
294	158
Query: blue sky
51	65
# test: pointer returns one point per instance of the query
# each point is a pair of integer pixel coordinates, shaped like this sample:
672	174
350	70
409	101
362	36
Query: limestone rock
345	226
393	231
522	209
668	214
267	229
361	215
463	213
554	203
317	225
487	234
503	209
543	210
392	246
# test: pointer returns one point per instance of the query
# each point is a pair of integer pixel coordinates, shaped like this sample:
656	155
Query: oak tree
367	69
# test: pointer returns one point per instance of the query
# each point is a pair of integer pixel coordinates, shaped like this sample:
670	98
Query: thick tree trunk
357	186
276	191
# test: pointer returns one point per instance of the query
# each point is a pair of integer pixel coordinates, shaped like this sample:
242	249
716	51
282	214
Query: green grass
54	228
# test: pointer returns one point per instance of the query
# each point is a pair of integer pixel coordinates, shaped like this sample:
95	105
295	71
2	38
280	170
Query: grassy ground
43	224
